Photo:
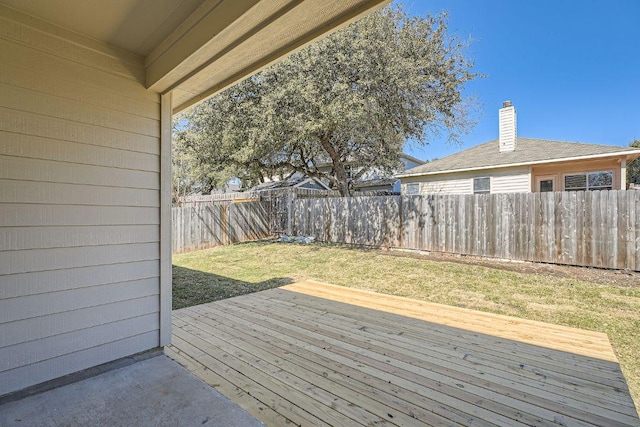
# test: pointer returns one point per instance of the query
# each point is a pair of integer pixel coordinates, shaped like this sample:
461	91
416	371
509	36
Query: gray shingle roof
528	151
376	182
288	183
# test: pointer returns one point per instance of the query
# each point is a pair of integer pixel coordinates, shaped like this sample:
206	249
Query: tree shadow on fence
193	287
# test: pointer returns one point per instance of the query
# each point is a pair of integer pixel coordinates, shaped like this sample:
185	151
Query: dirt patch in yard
587	274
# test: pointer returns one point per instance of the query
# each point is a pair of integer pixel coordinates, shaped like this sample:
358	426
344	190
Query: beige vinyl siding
508	180
25	214
511	181
449	185
79	205
439	185
22	238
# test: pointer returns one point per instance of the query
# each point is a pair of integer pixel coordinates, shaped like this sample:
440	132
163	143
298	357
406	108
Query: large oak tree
353	97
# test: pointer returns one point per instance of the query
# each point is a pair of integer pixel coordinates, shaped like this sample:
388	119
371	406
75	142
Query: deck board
317	354
434	358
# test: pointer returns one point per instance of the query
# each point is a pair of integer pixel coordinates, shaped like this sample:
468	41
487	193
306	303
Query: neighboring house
379	185
513	164
379	181
87	93
376	179
294	182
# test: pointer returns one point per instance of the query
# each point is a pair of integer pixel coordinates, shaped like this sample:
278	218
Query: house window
589	181
482	185
546	185
600	181
413	189
575	182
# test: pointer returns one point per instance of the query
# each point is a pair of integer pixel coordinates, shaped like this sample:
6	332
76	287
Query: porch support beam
165	219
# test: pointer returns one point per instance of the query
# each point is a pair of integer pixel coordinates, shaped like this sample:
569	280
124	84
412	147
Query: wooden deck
317	354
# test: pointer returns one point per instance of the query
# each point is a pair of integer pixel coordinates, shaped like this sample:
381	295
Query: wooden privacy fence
205	226
593	228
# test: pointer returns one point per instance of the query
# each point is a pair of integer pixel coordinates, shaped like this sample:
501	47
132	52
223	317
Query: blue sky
571	67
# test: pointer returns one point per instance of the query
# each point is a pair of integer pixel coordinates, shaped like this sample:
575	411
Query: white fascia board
316	180
533	163
411	158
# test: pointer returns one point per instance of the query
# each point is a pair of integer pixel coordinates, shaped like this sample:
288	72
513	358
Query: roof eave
627	154
225	41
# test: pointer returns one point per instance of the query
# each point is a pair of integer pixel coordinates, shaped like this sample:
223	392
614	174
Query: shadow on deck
317	354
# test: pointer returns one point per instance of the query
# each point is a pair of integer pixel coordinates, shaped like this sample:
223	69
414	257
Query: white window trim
412	185
553	177
473	185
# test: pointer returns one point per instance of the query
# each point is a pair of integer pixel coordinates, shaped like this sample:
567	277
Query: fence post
223	221
400	222
290	199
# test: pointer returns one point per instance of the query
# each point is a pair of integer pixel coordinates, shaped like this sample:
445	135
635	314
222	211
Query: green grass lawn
228	271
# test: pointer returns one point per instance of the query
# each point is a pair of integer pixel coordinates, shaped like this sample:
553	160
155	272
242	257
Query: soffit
137	26
196	48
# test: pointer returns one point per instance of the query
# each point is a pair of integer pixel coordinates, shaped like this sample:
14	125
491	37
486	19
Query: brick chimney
507	131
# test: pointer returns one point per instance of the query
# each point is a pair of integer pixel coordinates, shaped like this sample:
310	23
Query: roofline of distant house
403	155
413	159
376	182
511	165
316	180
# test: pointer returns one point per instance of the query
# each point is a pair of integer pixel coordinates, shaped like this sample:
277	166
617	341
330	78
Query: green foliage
353	97
633	168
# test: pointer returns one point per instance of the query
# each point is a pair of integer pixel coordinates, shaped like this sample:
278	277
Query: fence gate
279	211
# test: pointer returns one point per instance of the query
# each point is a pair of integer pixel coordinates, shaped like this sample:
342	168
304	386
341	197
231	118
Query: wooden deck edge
557	337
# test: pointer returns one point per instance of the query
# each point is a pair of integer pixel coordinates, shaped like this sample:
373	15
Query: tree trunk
341	178
344	189
338	165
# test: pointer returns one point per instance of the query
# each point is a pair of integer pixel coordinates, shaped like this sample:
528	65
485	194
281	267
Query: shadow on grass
193	287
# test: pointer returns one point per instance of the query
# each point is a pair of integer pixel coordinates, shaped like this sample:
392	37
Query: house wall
79	204
408	163
511	180
558	170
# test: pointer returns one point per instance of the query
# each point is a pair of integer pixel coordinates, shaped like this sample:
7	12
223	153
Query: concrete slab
153	392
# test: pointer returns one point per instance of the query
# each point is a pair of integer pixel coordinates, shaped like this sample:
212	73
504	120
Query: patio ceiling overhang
234	39
196	48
